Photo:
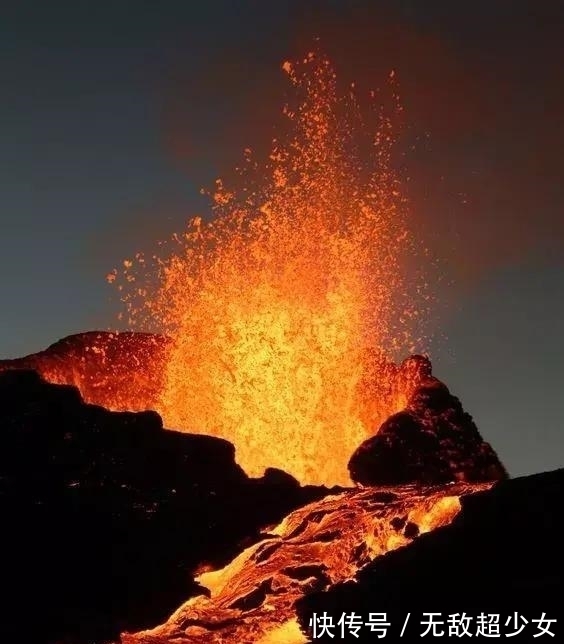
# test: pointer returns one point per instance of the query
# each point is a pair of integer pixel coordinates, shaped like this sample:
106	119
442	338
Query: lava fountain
293	296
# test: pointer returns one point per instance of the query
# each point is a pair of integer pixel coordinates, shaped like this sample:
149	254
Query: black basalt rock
501	555
432	441
106	516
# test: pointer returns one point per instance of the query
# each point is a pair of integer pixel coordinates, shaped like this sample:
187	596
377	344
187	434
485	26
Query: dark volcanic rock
116	370
502	554
105	516
432	441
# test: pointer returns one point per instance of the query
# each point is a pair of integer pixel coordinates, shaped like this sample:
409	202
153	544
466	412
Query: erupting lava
278	324
272	304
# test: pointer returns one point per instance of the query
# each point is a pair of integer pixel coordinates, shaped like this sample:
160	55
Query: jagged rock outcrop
120	371
501	554
432	441
106	516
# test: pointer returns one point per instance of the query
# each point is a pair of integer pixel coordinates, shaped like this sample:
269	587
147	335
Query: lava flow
252	599
272	303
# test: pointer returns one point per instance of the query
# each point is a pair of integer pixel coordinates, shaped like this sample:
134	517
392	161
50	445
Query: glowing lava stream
272	304
252	598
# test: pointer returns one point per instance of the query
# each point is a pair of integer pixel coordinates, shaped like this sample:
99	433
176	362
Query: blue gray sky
114	114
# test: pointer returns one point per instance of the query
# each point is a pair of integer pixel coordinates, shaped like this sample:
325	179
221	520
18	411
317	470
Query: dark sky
113	115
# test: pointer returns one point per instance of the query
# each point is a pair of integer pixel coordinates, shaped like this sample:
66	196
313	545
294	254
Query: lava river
252	599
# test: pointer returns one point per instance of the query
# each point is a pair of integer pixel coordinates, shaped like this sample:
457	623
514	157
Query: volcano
141	525
265	456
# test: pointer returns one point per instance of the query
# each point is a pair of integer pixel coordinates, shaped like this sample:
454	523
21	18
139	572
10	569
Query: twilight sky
113	115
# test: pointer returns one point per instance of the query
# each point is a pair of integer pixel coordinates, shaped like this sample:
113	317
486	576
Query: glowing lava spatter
271	304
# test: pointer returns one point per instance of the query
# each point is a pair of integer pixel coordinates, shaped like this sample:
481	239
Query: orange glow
272	303
300	555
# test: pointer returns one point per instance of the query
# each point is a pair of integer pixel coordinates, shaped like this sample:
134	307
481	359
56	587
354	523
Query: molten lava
272	303
252	600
